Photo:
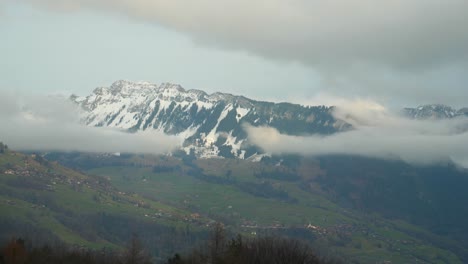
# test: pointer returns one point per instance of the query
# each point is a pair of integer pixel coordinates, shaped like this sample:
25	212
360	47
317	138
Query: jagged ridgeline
435	111
212	125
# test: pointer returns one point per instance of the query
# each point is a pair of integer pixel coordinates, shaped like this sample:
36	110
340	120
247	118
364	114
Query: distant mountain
434	111
211	124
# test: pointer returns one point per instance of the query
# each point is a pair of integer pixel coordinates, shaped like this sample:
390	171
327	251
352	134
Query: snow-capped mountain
211	124
434	111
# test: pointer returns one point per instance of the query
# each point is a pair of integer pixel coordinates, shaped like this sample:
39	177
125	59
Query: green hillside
46	202
258	198
171	202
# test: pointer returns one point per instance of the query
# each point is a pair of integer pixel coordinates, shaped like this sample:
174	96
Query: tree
175	260
15	252
3	148
217	244
135	253
263	250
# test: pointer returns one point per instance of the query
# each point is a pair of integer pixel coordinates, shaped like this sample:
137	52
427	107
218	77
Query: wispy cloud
377	133
51	123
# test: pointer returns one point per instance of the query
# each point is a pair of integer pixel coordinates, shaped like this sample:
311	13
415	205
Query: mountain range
434	111
212	125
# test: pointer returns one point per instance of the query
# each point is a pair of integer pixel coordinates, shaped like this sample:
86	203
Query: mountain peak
210	124
172	86
432	111
434	107
125	87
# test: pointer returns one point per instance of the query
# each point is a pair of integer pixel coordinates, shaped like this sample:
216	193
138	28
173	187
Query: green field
364	238
172	203
44	201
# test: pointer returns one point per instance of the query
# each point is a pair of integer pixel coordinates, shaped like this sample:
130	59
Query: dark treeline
264	189
19	251
197	173
267	190
218	249
264	250
160	241
80	161
165	169
281	175
257	250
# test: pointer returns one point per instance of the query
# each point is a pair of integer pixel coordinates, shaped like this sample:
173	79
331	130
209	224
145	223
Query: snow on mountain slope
434	111
210	124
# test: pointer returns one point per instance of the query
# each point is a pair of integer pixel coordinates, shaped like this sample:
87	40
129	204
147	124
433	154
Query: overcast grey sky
400	52
364	55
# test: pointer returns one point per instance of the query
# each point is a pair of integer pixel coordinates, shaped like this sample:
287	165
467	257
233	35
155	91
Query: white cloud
399	33
377	133
51	124
404	50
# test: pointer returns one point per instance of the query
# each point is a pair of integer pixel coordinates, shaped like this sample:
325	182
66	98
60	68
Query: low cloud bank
377	133
52	124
